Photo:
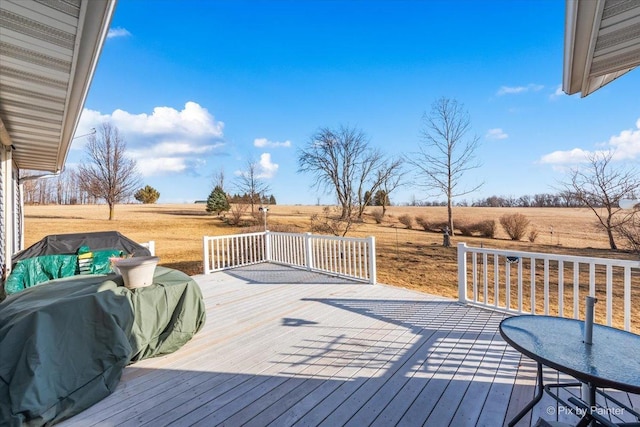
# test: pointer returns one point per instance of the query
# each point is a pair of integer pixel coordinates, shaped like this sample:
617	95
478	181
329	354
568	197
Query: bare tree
600	186
343	162
107	172
217	179
252	184
445	153
391	177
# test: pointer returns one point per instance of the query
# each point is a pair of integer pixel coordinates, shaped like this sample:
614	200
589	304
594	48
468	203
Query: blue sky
199	86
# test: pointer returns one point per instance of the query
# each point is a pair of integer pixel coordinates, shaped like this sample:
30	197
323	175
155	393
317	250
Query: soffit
48	53
602	42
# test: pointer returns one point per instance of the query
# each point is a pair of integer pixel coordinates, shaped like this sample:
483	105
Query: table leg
592	401
535	400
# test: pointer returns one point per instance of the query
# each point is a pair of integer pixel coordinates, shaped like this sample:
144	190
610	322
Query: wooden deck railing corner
348	257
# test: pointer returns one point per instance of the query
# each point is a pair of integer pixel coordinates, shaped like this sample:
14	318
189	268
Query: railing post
308	252
206	255
462	272
372	260
267	246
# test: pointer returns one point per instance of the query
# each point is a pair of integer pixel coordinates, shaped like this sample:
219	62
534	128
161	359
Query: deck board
284	347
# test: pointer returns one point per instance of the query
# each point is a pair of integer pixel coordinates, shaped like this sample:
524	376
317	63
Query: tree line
540	200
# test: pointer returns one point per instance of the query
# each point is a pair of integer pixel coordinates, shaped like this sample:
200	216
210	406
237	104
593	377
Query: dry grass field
410	258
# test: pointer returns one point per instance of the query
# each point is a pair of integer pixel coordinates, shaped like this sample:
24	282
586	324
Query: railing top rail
225	236
322	236
551	256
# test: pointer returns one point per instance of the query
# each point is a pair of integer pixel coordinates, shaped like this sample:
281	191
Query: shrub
439	226
406	220
237	211
533	234
377	215
515	225
480	229
331	223
422	222
487	228
465	229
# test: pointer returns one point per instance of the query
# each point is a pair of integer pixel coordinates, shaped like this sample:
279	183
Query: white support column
21	201
267	245
18	211
308	252
462	272
7	208
205	246
373	279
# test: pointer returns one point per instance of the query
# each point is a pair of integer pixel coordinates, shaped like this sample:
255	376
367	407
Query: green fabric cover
101	263
65	343
33	271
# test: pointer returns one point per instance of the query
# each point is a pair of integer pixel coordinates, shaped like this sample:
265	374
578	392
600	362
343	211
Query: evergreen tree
217	201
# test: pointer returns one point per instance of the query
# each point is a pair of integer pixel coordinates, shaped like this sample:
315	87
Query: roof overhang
48	54
601	43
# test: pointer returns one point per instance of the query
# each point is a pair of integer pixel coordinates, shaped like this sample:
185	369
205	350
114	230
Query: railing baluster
546	286
576	289
561	288
520	284
507	274
627	298
496	280
485	279
474	275
533	285
609	303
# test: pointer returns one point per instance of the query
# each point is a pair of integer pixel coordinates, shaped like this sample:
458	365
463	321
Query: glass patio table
612	361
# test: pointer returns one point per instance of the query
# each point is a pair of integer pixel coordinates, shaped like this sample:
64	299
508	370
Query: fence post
373	279
308	252
267	245
152	247
462	272
206	255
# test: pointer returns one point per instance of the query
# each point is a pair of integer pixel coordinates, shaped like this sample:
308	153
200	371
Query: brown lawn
410	258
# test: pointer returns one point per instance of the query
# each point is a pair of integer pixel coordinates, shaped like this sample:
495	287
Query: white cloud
267	168
557	94
495	134
514	90
264	142
161	165
577	155
192	120
169	148
163	142
624	146
118	32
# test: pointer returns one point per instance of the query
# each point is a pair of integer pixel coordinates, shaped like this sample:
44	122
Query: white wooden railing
550	284
349	257
151	245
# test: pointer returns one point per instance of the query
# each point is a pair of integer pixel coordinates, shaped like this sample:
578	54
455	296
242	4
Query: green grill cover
65	343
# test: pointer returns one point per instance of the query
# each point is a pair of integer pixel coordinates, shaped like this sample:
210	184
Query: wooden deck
286	347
